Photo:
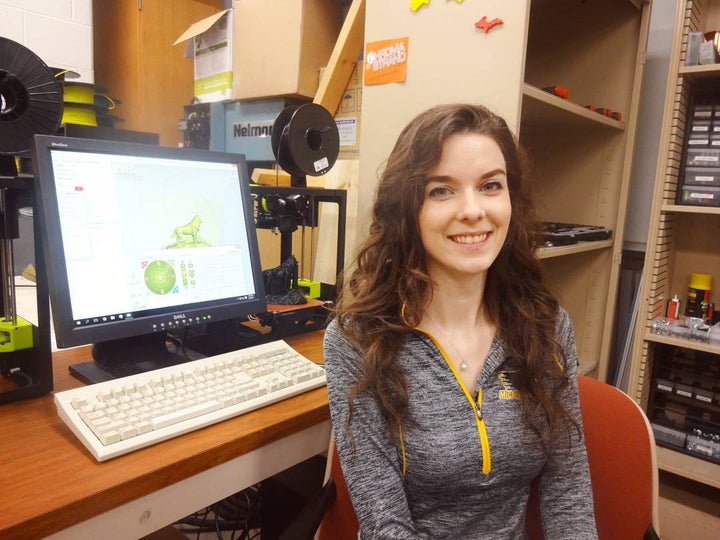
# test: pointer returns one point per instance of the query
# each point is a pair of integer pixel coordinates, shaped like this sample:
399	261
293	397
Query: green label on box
213	83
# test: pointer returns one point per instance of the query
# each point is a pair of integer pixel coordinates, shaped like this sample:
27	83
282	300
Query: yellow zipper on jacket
476	405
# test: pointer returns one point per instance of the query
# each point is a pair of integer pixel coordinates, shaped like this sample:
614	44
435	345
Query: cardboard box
263	48
211	50
347	116
271	177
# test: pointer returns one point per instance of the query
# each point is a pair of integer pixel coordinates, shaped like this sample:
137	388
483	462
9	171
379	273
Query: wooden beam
348	47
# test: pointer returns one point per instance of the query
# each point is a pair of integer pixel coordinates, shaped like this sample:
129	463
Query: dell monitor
142	242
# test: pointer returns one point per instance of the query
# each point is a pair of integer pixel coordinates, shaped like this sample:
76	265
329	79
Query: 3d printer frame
284	208
27	371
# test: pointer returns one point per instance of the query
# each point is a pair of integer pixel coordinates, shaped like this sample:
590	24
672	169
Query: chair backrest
623	471
623	466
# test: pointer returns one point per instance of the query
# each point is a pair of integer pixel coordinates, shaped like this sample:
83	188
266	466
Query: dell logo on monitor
181	316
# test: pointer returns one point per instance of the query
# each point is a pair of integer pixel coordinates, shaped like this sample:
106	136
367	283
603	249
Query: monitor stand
128	356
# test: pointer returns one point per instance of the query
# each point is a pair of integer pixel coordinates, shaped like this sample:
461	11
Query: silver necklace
463	363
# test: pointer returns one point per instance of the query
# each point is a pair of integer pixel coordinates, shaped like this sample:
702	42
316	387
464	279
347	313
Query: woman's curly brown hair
390	273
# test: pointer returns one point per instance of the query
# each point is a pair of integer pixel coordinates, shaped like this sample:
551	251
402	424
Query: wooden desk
49	482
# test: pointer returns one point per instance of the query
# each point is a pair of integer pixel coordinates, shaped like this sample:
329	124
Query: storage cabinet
136	61
580	158
683	405
668	373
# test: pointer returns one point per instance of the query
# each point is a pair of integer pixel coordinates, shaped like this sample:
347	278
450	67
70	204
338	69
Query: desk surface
48	480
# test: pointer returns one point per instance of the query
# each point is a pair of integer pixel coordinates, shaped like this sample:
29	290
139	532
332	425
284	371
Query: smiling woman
451	369
463	224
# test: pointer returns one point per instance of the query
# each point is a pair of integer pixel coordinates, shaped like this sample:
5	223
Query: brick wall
58	31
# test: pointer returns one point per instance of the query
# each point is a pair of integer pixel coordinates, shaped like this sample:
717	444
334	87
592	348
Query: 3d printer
31	102
305	141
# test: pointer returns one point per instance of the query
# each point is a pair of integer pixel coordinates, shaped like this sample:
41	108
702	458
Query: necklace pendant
463	365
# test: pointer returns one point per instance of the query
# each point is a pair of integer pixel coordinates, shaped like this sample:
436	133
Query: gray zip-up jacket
463	464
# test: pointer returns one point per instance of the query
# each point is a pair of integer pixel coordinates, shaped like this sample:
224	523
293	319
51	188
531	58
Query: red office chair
623	471
623	465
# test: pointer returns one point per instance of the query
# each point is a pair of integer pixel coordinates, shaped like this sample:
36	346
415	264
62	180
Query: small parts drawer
703	157
699	196
702	176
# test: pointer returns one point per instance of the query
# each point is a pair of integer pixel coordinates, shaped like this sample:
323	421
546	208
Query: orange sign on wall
386	61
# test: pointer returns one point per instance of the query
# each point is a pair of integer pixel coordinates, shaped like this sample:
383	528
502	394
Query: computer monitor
142	241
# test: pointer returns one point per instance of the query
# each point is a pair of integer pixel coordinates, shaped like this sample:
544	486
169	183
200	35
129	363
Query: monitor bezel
67	334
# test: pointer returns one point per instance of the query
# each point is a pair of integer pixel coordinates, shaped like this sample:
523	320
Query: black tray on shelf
563	234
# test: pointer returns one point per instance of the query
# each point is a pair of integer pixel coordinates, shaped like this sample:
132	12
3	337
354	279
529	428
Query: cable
179	344
16	373
238	513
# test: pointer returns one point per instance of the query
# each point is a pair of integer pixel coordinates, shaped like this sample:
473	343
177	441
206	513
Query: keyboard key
179	415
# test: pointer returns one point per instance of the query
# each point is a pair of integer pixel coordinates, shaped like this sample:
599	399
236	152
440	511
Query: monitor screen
141	242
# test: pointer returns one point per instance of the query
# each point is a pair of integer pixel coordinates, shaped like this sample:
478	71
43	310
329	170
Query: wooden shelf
708	71
548	110
545	3
687	209
580	247
684	343
688	466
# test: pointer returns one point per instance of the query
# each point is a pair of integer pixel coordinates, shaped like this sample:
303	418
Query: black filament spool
31	98
305	141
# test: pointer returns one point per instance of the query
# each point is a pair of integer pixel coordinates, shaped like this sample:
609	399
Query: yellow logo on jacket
509	391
